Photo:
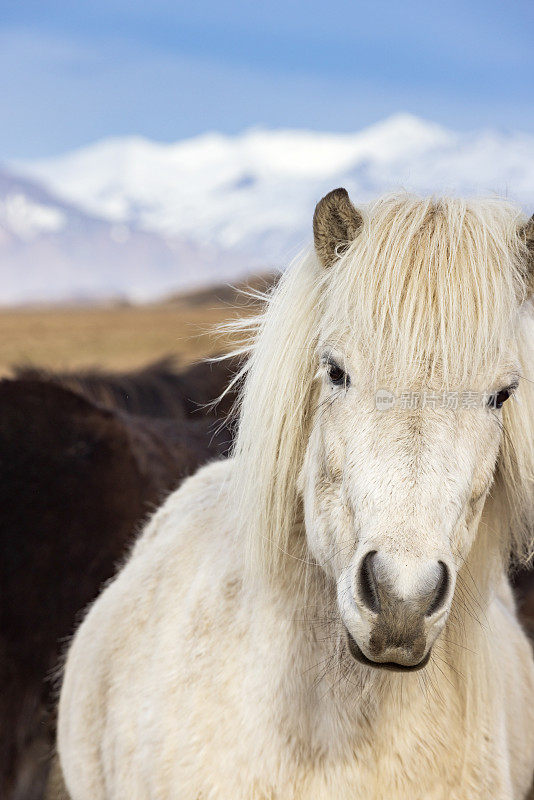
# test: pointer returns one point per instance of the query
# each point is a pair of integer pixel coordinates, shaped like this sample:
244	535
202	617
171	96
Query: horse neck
467	637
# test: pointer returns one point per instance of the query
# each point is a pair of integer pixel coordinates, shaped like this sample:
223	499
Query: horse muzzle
393	610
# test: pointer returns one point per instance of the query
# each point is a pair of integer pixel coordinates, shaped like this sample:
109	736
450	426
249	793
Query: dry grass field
119	336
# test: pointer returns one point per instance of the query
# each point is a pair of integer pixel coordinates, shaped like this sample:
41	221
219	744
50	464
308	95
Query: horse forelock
429	290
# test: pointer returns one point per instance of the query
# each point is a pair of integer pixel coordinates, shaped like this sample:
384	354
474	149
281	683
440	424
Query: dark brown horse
158	390
77	480
523	582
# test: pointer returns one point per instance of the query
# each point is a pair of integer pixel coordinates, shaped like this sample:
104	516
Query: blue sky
73	71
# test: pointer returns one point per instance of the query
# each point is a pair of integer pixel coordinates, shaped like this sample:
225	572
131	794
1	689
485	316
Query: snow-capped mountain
51	250
248	199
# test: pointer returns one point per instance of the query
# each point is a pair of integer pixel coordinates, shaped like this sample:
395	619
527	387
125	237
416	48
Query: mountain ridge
228	204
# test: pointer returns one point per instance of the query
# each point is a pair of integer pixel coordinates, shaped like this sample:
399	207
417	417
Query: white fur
215	666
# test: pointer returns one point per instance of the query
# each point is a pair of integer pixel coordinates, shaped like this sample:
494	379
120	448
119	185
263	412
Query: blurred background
152	153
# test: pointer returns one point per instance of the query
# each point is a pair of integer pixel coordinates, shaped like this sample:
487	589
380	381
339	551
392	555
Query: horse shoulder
198	499
512	684
110	651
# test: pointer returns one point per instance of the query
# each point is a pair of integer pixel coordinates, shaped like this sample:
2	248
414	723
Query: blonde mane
430	291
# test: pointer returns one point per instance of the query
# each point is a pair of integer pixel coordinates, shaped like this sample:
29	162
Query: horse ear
528	233
335	224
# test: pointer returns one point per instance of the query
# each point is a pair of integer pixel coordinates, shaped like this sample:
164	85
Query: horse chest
226	759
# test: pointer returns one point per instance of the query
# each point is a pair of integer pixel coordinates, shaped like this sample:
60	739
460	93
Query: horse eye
498	399
337	376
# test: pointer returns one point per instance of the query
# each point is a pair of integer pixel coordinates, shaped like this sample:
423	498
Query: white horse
327	614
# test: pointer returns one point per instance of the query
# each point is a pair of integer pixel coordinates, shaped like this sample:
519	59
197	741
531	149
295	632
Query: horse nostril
441	591
367	584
